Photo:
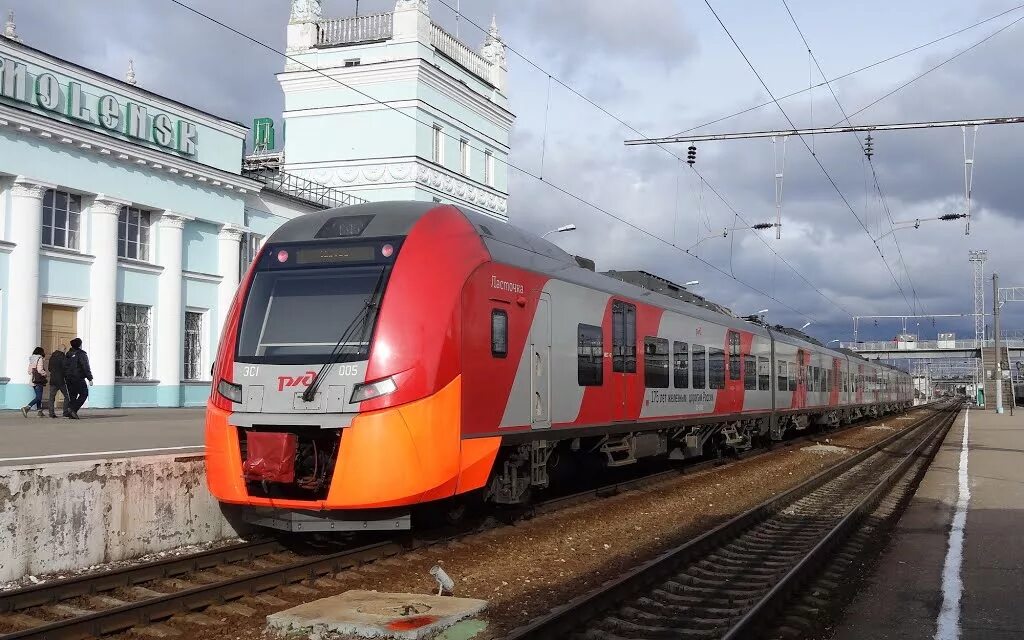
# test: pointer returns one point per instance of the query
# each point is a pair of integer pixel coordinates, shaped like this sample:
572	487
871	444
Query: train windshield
299	316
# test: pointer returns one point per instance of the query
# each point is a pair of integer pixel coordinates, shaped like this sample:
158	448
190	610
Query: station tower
390	106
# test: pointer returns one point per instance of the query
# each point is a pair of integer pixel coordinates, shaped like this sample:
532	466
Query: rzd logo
288	381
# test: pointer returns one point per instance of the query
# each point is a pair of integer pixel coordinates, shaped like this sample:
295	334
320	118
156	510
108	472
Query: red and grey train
389	355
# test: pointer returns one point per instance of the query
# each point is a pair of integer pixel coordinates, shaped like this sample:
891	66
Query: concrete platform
69	516
100	434
923	588
370	614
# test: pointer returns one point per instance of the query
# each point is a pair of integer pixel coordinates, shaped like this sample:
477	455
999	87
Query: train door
623	358
835	383
540	371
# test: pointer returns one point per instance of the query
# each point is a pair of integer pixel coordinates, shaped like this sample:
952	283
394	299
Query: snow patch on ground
823	449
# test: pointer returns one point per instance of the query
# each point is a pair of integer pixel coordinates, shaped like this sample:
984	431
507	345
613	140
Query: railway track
101	604
735	580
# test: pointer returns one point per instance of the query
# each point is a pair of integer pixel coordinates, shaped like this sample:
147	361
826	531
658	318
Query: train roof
513	246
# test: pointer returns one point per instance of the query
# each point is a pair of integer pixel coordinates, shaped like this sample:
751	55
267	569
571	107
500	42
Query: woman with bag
37	370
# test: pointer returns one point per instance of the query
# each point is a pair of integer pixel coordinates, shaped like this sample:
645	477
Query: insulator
764	225
691	154
869	147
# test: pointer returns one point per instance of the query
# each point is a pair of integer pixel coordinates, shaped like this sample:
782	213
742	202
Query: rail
472	61
341	31
738	591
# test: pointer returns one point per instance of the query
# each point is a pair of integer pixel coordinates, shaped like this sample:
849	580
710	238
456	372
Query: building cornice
25	122
201	277
407	172
139	266
111	84
68	255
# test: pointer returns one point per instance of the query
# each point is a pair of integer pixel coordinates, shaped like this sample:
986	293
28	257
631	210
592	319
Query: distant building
390	106
125	219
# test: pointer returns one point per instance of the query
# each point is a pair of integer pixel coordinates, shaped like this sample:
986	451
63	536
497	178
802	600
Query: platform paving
101	433
904	597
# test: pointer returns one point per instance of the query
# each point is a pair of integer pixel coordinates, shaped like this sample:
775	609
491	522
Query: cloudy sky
664	66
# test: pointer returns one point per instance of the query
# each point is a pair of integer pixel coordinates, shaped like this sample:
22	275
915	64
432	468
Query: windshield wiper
363	316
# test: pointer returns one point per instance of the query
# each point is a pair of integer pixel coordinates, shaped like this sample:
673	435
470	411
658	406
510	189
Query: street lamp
831	341
806	324
562	229
691	283
761	312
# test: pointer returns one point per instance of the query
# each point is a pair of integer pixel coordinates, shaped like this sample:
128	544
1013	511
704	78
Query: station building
127	218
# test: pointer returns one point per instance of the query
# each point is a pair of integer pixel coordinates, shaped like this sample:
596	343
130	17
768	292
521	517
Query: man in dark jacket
76	372
56	369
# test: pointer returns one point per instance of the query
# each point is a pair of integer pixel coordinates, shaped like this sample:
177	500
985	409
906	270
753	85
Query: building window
700	367
193	345
251	244
499	333
589	356
681	365
438	144
464	151
489	168
623	337
133	234
62	212
655	363
131	342
352	62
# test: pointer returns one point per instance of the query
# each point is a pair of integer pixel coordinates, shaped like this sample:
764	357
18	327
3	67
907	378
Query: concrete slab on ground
370	614
100	434
904	597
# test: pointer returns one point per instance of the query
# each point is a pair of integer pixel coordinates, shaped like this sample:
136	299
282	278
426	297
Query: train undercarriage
523	468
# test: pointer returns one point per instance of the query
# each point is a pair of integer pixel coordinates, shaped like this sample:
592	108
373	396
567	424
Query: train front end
336	392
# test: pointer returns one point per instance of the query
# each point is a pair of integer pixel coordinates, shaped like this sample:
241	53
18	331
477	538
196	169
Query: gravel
525	569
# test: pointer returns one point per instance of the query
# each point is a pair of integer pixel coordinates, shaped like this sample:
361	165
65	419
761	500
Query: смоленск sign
46	91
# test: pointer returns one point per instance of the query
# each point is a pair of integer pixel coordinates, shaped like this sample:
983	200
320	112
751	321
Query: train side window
590	356
681	365
793	368
828	380
623	337
750	373
783	376
734	355
764	374
700	367
716	368
499	333
655	363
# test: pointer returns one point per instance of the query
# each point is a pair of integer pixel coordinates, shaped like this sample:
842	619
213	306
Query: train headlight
371	390
230	390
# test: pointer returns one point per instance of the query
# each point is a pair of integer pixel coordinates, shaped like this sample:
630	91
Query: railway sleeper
633	629
685	620
706	612
678	594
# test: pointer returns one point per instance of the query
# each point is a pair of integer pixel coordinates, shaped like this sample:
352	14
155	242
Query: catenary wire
853	72
813	155
525	172
621	121
860	145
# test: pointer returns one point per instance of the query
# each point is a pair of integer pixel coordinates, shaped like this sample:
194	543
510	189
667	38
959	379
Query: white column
99	343
170	316
23	309
228	261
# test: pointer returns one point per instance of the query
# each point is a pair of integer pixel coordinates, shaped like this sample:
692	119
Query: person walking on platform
37	371
57	383
76	372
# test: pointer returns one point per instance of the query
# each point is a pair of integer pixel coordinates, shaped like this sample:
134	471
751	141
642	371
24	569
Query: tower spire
494	49
10	30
